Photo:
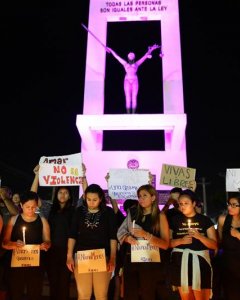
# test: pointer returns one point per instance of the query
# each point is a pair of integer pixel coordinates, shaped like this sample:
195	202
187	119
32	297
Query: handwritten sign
177	176
233	180
123	183
144	252
26	256
60	170
91	261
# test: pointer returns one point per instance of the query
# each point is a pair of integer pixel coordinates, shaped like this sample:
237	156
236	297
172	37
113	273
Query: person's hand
187	239
84	169
19	244
138	232
45	246
36	170
70	264
235	233
192	185
107	177
4	193
151	178
131	240
111	265
194	233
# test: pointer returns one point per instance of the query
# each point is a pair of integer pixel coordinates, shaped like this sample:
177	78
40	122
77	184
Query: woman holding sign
192	234
145	228
92	238
30	229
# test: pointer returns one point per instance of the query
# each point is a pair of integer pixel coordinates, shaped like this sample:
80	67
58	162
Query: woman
192	235
37	232
131	78
93	227
229	235
59	220
145	222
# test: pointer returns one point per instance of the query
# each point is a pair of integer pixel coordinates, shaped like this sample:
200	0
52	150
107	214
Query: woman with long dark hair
93	227
59	219
229	234
145	280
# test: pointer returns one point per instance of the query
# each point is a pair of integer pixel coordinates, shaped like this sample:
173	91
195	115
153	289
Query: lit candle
24	237
133	223
189	224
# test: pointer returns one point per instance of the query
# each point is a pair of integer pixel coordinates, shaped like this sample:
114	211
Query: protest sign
91	261
144	252
26	256
123	183
60	170
233	180
177	176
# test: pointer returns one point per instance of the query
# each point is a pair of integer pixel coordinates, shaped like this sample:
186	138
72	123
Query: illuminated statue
131	78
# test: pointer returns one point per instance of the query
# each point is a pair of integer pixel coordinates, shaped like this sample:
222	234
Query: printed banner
233	180
177	176
123	183
26	256
60	170
91	261
144	252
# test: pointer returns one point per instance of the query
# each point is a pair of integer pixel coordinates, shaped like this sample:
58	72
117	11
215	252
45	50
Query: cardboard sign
123	183
91	261
233	180
144	252
61	170
26	256
177	176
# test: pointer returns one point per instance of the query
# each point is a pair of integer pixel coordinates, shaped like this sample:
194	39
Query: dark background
43	48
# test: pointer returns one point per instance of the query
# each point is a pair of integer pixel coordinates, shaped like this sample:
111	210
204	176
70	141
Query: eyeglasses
233	205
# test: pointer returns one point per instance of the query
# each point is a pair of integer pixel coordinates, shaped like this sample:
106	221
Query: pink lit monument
93	122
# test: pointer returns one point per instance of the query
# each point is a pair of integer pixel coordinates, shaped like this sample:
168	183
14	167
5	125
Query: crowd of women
184	243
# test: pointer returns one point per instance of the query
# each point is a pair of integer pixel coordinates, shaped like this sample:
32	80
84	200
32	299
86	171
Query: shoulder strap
14	219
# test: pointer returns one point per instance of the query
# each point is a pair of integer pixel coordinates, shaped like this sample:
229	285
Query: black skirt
175	271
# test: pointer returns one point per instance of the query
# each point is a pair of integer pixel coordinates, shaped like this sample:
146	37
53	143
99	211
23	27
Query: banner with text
177	176
91	261
123	183
26	256
144	252
61	170
233	180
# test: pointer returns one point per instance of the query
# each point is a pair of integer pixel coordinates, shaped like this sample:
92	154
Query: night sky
43	52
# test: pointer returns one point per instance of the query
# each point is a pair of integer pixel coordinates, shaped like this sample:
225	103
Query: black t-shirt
179	226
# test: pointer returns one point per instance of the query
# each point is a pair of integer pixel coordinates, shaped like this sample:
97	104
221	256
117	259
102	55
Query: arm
170	201
121	60
35	183
7	243
113	252
160	242
5	197
70	260
186	239
210	241
146	55
84	178
1	224
46	244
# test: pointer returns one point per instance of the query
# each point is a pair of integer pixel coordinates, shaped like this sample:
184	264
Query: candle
189	224
24	237
133	224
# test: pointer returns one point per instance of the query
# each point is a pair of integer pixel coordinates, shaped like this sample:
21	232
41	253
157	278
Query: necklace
92	218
